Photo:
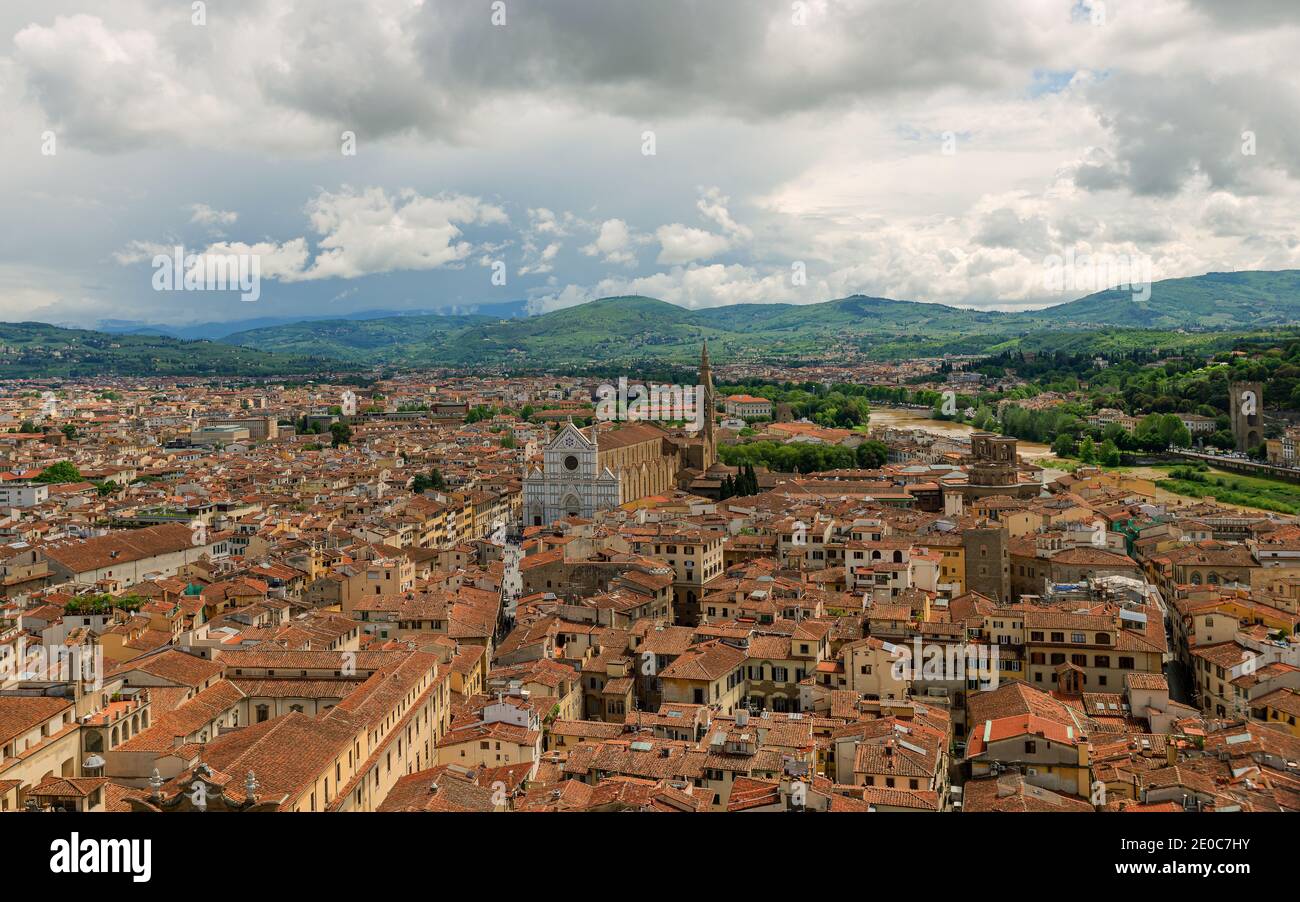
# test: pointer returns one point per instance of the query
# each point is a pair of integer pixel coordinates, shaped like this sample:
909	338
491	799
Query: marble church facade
599	468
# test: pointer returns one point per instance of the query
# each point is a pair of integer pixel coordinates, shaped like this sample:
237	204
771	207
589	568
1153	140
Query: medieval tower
1246	409
709	451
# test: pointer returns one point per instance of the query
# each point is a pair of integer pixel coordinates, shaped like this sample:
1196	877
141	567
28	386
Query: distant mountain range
645	329
1203	311
215	331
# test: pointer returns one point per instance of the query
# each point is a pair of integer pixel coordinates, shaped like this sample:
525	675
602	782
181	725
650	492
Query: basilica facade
606	465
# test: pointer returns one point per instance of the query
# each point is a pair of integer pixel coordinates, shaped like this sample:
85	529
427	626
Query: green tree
1175	432
728	487
423	483
872	454
63	471
341	433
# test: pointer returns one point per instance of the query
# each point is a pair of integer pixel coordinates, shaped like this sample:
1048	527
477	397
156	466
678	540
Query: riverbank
903	418
1248	492
1243	493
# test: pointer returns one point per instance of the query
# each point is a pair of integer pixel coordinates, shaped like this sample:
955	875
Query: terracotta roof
21	713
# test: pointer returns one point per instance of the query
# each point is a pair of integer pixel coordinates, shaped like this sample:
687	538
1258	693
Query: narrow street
1181	682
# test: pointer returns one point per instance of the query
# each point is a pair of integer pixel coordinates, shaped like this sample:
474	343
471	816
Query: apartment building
1101	648
696	558
747	406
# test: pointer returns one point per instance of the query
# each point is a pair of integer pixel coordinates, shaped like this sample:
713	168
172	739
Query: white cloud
140	251
360	234
286	262
713	206
372	232
538	262
714	285
204	215
614	244
683	244
544	222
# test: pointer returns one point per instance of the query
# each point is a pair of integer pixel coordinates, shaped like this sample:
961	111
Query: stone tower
994	468
709	455
1246	410
988	562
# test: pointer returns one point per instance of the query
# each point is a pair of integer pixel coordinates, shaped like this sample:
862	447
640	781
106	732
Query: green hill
29	350
392	339
1217	301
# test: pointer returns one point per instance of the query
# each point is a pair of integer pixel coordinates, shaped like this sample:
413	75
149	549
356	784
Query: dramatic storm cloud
442	154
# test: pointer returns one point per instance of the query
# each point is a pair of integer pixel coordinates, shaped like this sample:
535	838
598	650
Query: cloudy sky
699	151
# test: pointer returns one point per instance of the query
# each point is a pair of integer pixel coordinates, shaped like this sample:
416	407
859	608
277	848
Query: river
903	418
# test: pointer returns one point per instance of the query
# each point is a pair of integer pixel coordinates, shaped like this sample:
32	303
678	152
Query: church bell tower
709	456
